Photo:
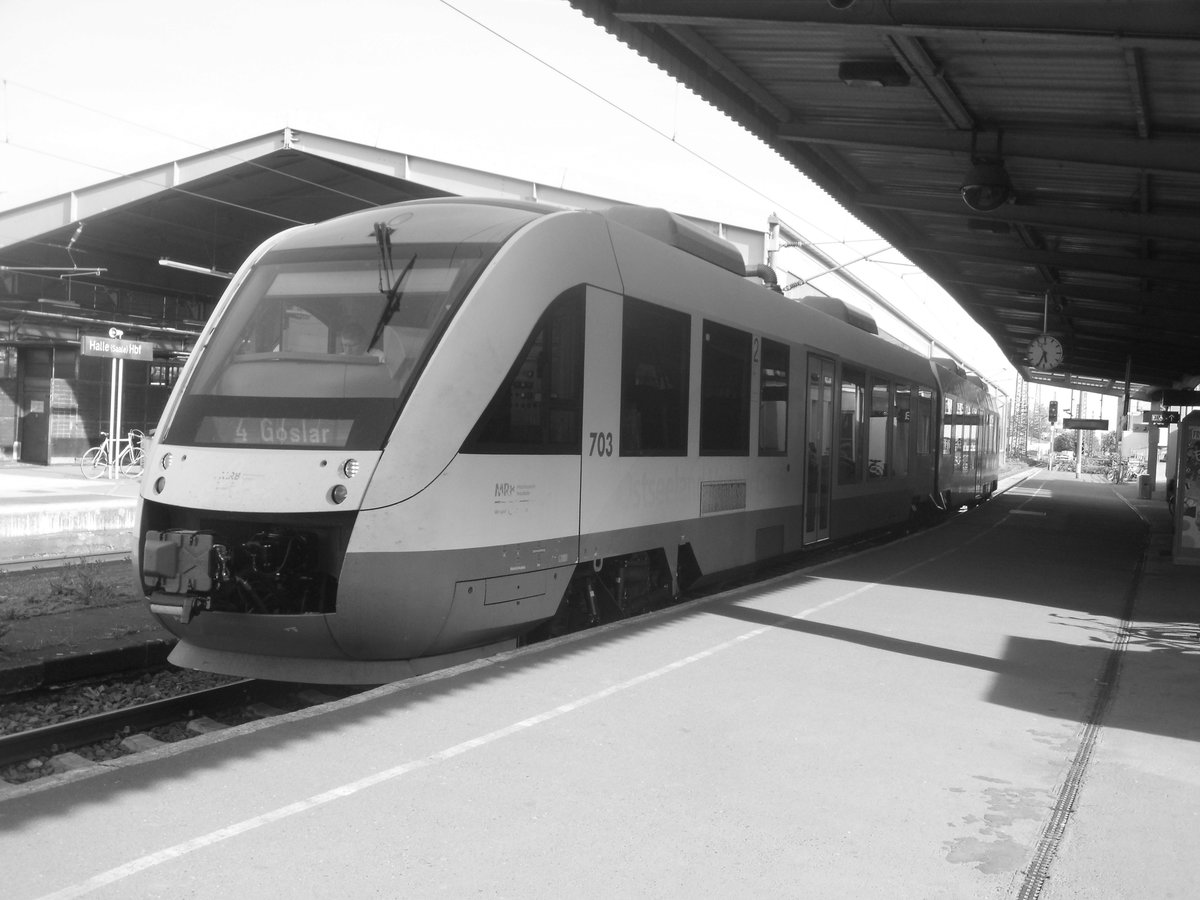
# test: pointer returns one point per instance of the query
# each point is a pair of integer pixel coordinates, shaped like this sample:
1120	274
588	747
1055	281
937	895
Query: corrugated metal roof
1092	108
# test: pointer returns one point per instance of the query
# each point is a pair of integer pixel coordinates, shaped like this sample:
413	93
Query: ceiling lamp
189	267
986	186
873	73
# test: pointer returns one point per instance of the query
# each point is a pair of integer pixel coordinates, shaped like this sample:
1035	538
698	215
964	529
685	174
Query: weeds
82	585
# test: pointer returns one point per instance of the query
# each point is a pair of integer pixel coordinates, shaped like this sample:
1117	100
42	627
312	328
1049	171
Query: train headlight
160	484
338	494
166	460
350	468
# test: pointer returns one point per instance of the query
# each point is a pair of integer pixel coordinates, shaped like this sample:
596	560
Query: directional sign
116	348
1161	417
1085	424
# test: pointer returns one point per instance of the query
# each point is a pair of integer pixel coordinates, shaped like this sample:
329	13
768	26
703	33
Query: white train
411	435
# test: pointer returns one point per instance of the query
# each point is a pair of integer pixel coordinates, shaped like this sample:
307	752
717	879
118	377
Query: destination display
274	431
1085	424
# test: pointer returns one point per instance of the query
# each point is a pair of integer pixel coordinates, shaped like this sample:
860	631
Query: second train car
411	435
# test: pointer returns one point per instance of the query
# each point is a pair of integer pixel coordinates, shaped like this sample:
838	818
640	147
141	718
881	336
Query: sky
527	88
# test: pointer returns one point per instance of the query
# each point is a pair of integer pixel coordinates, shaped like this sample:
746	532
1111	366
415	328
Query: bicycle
130	458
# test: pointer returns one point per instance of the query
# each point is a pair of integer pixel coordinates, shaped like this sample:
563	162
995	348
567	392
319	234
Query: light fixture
61	271
986	186
875	73
200	270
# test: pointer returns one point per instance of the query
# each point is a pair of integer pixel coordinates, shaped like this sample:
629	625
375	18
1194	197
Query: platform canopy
1074	127
151	252
206	212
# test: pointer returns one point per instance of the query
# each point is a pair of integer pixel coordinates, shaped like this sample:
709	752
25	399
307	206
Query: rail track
76	742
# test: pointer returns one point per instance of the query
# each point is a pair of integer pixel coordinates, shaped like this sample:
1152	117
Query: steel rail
74	733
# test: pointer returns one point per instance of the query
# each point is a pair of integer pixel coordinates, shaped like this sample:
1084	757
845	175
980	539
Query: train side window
902	429
773	398
852	417
725	391
924	421
878	446
539	407
655	356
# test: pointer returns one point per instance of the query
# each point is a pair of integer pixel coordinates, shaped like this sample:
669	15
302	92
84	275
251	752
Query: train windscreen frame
317	350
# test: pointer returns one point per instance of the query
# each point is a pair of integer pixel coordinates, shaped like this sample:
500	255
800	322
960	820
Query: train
416	435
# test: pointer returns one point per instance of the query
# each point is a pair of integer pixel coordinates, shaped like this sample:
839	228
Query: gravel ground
40	592
49	706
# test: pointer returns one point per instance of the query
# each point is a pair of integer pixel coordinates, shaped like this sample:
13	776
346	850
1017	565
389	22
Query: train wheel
609	590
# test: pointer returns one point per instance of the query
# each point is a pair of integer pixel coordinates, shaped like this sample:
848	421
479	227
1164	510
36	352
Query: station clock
1045	352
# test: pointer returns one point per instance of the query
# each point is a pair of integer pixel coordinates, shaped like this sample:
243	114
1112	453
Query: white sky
529	88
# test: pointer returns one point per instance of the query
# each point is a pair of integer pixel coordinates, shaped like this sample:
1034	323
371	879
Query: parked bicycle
129	456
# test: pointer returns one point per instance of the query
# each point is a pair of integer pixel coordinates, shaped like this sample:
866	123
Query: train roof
843	312
678	232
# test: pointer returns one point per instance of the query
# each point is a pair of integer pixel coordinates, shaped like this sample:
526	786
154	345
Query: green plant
80	585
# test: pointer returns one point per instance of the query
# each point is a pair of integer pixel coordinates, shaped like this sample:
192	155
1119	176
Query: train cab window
539	407
655	354
852	417
879	463
725	391
902	429
772	398
924	425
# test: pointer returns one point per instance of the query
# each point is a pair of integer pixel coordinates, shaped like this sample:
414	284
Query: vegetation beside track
49	591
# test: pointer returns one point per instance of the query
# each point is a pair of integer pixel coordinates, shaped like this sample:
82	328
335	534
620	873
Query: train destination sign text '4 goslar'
116	348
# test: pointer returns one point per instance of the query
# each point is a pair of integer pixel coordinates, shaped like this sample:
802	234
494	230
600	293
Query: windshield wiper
387	286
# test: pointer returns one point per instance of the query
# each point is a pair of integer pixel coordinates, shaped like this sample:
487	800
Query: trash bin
1144	488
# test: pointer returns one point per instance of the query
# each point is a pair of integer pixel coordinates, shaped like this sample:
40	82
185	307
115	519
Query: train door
818	478
971	450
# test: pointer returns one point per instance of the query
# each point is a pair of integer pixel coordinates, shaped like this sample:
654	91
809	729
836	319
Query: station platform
1004	706
50	511
51	516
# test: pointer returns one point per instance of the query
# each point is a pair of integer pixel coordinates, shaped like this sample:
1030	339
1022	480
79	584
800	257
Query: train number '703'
602	443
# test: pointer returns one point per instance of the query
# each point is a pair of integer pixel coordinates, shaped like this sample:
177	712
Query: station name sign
1085	424
117	348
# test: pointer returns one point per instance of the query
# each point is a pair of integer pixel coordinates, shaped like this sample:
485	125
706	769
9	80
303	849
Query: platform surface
902	723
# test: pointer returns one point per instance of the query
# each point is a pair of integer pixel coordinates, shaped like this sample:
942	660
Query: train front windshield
321	344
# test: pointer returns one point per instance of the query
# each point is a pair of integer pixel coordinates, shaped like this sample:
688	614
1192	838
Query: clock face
1045	352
